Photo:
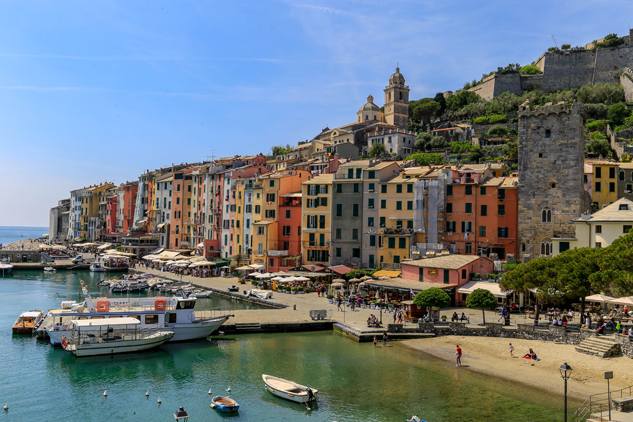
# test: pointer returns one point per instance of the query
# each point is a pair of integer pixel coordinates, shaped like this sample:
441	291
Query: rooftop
620	210
447	262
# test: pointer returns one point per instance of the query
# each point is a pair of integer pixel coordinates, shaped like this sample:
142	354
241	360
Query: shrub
458	147
438	142
510	267
477	275
514	120
491	276
422	140
617	113
424	159
597	146
628	124
597	135
530	70
481	120
565	46
497	118
497	130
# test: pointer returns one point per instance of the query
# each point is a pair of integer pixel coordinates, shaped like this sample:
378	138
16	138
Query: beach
491	356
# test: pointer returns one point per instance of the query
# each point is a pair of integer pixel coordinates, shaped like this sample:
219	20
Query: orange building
482	213
129	202
180	235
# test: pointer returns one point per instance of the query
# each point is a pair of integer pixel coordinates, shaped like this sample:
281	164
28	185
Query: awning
387	273
244	268
104	246
257	266
341	269
291	195
200	245
623	301
161	225
493	288
407	285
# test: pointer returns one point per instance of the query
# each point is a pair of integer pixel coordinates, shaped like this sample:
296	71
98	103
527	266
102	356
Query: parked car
78	259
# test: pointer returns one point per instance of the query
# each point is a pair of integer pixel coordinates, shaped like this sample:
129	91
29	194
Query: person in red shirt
458	356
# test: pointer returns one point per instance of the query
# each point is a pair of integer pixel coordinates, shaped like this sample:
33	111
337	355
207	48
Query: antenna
555	42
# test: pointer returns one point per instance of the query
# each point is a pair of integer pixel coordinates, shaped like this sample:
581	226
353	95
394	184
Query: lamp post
608	375
565	373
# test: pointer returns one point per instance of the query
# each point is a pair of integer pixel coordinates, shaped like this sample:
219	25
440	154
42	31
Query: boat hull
225	404
23	330
297	397
112	348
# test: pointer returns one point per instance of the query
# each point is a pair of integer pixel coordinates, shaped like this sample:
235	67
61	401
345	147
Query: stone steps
602	347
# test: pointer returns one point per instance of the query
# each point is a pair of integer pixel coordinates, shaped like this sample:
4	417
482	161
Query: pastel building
316	220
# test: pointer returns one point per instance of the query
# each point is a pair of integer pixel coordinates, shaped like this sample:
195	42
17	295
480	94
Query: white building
164	189
398	141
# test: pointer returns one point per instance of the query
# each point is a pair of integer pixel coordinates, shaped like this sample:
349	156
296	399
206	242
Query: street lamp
181	414
565	373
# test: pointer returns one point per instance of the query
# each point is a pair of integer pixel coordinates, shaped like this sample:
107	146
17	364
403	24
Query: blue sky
96	91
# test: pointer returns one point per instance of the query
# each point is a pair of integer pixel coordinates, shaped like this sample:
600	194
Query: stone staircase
599	346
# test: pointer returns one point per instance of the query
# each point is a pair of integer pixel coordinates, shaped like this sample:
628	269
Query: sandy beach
492	356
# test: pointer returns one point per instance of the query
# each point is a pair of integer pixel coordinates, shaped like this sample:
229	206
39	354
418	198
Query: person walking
395	315
458	356
511	350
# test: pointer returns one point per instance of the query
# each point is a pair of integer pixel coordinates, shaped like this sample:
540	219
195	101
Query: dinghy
224	404
289	390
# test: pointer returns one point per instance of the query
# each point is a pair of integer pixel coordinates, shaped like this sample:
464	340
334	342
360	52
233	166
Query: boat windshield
186	304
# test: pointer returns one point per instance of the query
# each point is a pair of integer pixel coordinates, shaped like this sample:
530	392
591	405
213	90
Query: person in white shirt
631	331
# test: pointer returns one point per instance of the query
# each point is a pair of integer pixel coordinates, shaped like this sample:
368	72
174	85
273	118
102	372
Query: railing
277	253
397	232
316	244
599	403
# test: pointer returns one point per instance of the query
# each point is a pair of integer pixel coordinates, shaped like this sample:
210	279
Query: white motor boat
5	267
289	390
261	294
112	336
169	313
96	267
50	269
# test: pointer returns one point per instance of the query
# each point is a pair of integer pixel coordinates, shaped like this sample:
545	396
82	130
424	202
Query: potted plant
293	290
288	289
444	318
300	290
254	282
330	298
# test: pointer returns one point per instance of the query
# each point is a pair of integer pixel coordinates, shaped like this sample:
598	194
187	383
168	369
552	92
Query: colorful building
316	220
605	183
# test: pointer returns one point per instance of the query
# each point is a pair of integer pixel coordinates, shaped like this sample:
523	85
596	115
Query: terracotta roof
341	269
447	262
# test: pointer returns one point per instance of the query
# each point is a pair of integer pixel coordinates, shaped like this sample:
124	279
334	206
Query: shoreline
491	356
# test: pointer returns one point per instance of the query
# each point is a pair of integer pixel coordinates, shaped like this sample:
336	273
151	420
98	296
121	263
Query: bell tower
397	101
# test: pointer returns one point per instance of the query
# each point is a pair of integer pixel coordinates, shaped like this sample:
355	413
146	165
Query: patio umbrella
622	300
377	295
366	278
338	280
337	285
362	284
354	280
599	298
290	279
301	278
278	278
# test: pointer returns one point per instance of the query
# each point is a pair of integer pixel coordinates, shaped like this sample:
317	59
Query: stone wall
621	142
625	344
20	256
496	84
626	80
551	157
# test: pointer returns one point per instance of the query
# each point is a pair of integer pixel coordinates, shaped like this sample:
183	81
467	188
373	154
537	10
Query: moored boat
289	390
50	269
28	321
96	267
112	336
224	404
5	267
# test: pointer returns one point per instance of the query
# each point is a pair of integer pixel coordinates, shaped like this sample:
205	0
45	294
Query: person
503	314
618	328
339	301
375	341
602	329
530	355
395	315
384	339
400	316
511	350
458	356
588	322
369	322
463	317
554	321
631	332
455	317
352	304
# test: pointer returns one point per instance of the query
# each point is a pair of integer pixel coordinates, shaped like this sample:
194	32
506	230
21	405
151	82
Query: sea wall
20	255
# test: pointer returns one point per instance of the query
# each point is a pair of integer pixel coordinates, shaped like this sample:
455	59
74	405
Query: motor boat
112	336
50	269
224	404
261	294
169	313
289	390
28	321
96	267
5	267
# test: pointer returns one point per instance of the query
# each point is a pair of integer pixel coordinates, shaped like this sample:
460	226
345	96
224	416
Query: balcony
397	232
277	253
467	179
316	244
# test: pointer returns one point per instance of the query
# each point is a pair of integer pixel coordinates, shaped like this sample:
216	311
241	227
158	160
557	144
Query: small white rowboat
289	390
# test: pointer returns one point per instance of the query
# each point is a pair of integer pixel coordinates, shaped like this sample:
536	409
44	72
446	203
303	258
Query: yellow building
316	215
605	183
90	224
599	229
240	192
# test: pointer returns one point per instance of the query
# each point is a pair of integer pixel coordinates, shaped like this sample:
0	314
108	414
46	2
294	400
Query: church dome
397	77
370	106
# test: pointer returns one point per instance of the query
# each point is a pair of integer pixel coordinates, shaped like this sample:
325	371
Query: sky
94	91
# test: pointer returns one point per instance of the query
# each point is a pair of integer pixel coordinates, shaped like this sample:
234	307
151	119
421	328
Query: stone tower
397	101
551	159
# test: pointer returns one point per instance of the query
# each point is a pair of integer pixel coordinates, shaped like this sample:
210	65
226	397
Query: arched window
375	117
390	97
366	118
546	247
546	215
358	119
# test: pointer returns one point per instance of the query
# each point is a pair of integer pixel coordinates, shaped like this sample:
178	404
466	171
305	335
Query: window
625	229
450	226
398	188
409	204
410	188
449	207
449	189
598	244
467	227
383	203
501	194
396	258
548	133
270	214
391	242
257	209
338	252
272	184
177	201
370	221
323	202
546	248
629	187
482	231
323	189
355	210
402	242
598	187
287	213
546	216
598	229
339	188
502	232
469	207
286	230
383	188
356	187
354	234
382	221
563	246
356	253
321	221
482	190
260	230
484	210
372	240
371	175
611	187
469	248
370	203
398	205
350	173
621	177
371	187
469	190
611	172
339	210
598	172
501	209
270	197
338	233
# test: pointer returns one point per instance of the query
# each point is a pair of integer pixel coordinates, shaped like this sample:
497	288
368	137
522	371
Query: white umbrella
290	279
599	298
623	300
301	278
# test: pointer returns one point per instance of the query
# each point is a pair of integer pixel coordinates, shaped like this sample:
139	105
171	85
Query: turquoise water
357	382
10	234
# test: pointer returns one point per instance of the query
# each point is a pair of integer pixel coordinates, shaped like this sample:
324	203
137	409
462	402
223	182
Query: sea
356	382
10	234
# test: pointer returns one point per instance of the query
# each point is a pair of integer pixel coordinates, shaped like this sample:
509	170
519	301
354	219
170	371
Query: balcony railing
277	253
397	232
316	244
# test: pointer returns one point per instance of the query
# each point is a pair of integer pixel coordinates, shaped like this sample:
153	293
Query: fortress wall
626	80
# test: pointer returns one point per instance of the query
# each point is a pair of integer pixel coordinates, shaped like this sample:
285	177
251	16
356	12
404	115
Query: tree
439	98
598	146
438	142
565	46
424	159
377	149
497	130
617	113
432	297
424	111
280	149
422	140
481	298
530	69
511	150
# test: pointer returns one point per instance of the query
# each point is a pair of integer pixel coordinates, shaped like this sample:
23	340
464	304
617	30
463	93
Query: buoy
105	393
209	391
159	401
147	393
229	389
6	406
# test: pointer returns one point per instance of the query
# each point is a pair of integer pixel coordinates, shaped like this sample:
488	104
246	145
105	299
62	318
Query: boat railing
210	313
108	333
